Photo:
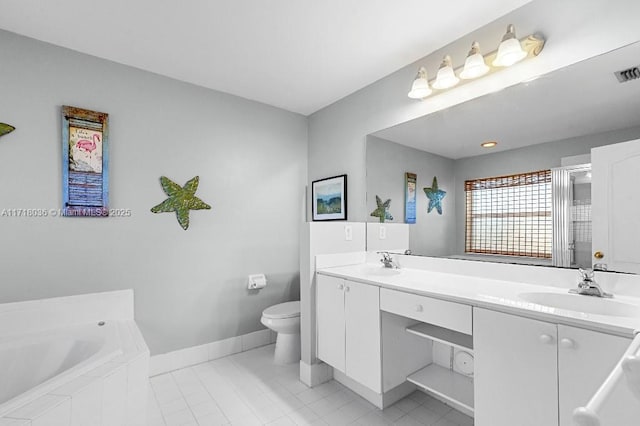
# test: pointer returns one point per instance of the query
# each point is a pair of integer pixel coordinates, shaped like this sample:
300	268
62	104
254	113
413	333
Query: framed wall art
410	180
85	163
329	198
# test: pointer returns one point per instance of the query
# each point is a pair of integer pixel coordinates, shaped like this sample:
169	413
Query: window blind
510	215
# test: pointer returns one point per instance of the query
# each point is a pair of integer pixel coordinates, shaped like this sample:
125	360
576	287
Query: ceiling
581	99
299	55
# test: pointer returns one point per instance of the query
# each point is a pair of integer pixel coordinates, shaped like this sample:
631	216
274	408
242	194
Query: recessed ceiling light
489	144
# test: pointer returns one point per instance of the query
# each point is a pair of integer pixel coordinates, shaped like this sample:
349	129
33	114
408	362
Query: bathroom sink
580	303
380	271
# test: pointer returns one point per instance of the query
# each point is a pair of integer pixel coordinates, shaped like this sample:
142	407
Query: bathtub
34	365
78	370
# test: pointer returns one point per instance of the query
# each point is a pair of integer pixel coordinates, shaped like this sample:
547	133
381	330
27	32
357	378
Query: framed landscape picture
329	198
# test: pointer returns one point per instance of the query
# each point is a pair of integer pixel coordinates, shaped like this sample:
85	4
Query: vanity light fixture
489	144
474	65
420	87
510	51
446	77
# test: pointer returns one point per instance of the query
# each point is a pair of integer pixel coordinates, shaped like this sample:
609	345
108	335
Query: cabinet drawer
453	316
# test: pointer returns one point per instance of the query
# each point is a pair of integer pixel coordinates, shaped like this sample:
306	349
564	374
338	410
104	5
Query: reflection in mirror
548	124
571	207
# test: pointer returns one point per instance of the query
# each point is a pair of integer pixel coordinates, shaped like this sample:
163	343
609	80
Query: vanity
503	342
518	350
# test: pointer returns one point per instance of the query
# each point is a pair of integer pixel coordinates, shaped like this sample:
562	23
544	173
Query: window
510	215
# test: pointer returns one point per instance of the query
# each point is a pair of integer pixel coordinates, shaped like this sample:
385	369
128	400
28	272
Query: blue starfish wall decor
435	196
181	200
382	211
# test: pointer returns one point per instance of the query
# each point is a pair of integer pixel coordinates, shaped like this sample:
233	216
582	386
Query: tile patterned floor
249	389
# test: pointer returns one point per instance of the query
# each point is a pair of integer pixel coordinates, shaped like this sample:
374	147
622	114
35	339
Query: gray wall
574	30
189	285
531	158
387	163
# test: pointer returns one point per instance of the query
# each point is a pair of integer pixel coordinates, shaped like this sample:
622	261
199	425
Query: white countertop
487	293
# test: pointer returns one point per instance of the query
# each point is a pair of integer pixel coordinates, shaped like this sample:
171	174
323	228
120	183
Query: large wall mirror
537	178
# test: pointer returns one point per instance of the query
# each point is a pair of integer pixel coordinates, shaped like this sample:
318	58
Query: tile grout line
153	392
208	393
239	366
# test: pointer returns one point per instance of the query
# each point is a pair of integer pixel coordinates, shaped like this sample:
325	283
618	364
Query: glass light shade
474	65
489	144
420	87
445	78
510	50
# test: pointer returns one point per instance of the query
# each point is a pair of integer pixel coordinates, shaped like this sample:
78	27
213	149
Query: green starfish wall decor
435	196
6	128
181	200
382	211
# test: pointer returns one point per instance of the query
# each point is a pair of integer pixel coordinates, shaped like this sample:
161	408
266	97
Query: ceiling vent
628	74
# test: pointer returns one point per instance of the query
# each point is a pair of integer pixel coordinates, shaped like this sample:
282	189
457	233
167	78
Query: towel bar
629	368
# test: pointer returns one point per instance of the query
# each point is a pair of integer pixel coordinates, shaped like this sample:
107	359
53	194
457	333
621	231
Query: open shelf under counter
443	335
447	384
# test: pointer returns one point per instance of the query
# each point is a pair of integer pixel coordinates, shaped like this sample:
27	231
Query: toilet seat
283	310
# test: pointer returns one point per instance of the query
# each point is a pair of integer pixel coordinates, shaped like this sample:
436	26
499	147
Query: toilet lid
283	310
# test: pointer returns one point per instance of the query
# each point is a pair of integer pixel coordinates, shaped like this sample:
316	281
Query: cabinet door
362	318
515	370
585	359
330	321
615	205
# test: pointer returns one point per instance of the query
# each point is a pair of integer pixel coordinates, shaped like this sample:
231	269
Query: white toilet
284	319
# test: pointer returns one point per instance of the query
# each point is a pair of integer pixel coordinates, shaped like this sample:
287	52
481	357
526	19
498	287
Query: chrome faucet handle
586	274
387	260
385	256
600	267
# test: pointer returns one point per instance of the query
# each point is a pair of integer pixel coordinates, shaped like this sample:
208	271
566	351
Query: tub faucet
387	260
588	286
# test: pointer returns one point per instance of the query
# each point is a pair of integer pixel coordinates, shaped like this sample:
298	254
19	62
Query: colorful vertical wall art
85	173
410	197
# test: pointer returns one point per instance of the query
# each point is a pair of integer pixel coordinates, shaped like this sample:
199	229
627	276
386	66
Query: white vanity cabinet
515	370
533	373
585	359
348	323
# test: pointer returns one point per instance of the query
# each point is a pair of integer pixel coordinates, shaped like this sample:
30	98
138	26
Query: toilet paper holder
257	281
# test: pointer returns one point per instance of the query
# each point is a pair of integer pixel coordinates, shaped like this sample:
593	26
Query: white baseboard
315	374
163	363
381	401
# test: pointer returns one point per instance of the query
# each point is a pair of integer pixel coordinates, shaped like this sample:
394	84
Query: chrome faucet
387	260
588	286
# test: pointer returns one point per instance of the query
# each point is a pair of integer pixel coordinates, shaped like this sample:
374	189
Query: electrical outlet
382	232
348	232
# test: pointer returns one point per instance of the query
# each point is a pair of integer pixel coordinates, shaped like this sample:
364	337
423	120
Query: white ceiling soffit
581	99
300	55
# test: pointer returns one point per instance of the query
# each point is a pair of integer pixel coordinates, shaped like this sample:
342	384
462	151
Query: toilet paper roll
257	281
